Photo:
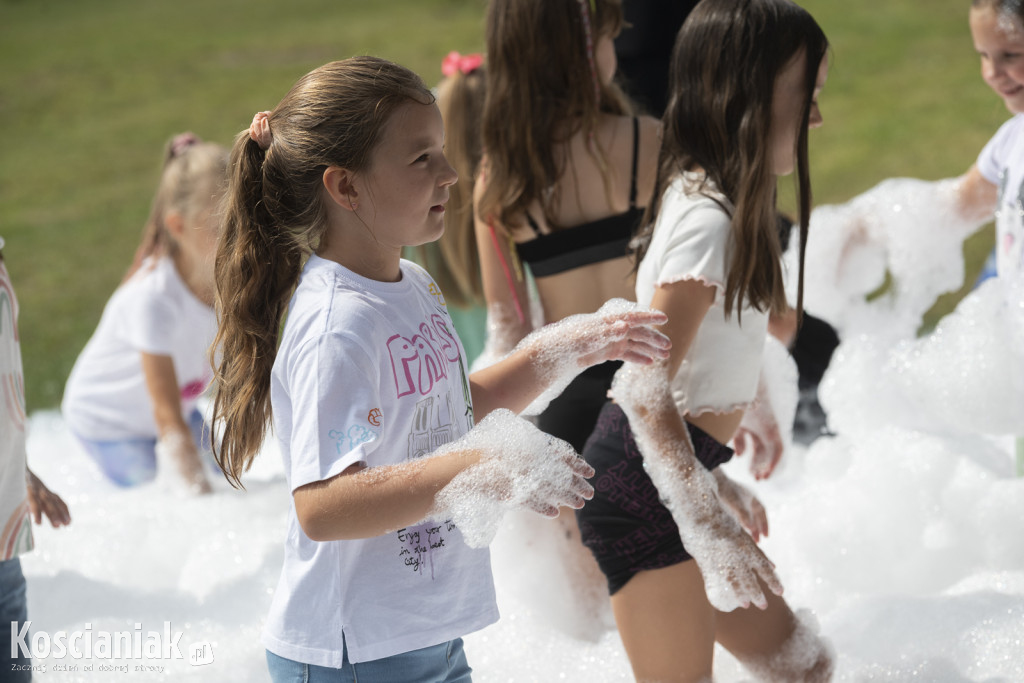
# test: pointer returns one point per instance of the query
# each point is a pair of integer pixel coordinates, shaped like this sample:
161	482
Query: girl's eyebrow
421	143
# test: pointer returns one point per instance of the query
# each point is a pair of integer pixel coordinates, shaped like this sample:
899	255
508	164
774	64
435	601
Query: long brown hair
724	66
275	217
540	92
193	176
452	260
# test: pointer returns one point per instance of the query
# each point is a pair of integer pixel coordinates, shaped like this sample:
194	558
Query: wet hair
193	178
275	217
542	89
727	57
452	260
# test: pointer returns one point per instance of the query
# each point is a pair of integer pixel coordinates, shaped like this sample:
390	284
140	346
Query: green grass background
91	91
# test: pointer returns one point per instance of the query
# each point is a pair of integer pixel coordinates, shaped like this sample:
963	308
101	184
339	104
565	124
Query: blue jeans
13	607
129	462
444	663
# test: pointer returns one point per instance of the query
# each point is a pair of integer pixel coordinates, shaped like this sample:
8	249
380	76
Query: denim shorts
13	607
625	525
444	663
129	462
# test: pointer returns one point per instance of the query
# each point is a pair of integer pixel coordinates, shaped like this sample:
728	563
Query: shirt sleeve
696	248
150	321
335	408
993	157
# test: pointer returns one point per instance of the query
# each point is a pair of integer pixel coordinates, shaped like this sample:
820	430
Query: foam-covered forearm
564	349
729	561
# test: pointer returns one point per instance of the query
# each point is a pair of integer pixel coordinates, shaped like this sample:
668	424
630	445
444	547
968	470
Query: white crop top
691	242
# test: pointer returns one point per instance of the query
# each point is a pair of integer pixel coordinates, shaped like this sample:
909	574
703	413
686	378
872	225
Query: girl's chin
1015	101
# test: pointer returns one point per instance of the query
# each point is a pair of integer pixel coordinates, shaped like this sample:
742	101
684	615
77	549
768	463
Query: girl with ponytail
350	350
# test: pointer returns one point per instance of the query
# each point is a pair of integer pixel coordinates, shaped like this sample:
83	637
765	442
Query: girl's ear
340	186
174	223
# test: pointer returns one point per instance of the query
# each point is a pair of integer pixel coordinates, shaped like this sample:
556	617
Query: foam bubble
908	228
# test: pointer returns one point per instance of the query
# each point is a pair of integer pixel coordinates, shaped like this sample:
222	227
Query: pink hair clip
181	142
259	130
466	64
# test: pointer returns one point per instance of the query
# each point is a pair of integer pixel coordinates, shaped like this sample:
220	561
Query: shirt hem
732	408
387	648
707	282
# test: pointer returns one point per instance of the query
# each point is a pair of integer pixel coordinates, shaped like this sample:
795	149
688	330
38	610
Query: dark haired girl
674	536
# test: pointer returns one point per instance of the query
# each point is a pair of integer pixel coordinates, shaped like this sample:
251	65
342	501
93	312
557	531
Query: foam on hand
561	346
178	470
520	467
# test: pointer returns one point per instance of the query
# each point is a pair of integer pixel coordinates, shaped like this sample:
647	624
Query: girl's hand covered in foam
520	467
178	465
619	330
732	565
743	505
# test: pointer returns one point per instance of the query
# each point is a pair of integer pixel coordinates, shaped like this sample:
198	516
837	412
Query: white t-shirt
691	242
154	312
371	372
1001	162
15	527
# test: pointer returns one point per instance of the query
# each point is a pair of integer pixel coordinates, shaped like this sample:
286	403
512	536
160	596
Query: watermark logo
200	653
106	645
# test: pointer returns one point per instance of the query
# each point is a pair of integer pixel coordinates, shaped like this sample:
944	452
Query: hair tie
259	130
589	38
465	64
181	142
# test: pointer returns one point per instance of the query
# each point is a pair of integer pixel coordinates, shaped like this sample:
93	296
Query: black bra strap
636	144
533	224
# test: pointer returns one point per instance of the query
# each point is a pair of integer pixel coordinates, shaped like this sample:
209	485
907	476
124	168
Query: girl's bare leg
667	625
669	630
773	644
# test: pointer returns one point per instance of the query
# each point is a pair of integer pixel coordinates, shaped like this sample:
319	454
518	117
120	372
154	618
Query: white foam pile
903	535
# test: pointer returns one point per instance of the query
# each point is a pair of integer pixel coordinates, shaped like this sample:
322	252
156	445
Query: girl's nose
815	119
989	70
449	176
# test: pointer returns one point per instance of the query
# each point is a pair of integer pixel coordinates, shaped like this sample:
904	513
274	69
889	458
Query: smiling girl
993	187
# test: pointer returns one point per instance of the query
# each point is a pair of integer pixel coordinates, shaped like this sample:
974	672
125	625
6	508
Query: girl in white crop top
690	243
745	76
